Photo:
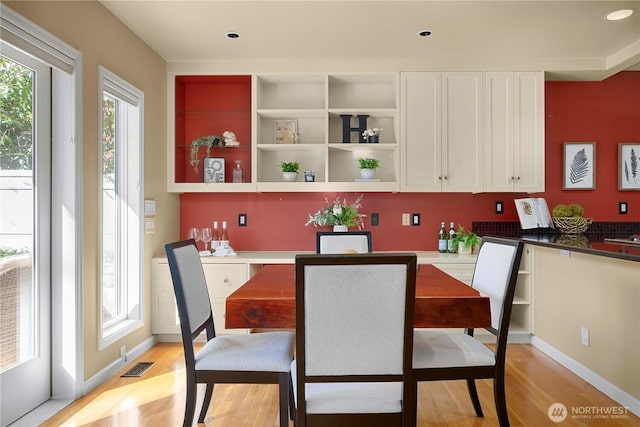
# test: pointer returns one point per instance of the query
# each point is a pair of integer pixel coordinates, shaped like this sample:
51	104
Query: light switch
622	208
149	207
149	225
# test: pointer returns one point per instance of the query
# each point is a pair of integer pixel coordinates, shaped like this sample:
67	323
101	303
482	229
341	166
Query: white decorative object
367	173
230	139
289	176
340	228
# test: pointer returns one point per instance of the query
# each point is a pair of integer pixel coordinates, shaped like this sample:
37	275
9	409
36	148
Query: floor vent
138	369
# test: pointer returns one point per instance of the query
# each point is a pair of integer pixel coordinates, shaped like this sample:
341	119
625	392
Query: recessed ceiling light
424	33
617	15
233	35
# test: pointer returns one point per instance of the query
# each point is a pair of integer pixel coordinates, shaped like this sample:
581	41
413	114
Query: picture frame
213	169
579	166
285	131
629	166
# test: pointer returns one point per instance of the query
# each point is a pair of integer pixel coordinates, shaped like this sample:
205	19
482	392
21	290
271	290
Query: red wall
606	112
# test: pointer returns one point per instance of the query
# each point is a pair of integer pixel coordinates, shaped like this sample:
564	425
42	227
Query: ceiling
567	39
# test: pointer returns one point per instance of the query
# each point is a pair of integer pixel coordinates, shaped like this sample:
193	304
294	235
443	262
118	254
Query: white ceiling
567	39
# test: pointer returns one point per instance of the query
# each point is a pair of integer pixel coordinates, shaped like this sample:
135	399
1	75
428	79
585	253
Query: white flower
337	210
372	132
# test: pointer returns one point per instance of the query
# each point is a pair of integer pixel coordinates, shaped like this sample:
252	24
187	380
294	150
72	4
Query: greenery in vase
338	212
203	141
368	163
466	239
290	166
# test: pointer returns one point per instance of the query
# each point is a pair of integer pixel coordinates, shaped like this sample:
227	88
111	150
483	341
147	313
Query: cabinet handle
225	280
440	178
445	177
518	178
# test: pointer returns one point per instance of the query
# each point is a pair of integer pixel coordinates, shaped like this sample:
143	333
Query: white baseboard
111	369
602	384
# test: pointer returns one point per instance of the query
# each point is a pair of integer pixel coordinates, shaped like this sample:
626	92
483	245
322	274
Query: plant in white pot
339	214
465	241
289	170
368	167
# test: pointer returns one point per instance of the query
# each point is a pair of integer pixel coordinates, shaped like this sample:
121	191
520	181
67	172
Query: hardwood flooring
533	382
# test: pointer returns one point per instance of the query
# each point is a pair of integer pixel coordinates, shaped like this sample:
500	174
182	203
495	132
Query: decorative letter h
347	129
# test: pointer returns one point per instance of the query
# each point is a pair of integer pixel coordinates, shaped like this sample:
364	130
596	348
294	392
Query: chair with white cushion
459	356
354	332
328	242
262	358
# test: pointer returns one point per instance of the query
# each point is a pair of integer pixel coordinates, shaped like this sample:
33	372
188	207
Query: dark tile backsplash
512	229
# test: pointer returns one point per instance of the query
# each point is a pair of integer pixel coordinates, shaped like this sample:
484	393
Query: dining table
267	301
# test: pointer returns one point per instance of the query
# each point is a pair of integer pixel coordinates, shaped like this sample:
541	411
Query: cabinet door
498	136
421	168
529	132
222	280
462	149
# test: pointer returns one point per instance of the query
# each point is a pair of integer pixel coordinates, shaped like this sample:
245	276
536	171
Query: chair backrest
354	316
328	242
495	275
192	294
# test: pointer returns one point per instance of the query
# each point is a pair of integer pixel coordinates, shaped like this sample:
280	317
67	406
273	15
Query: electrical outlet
406	219
622	208
584	336
242	220
415	219
499	207
375	219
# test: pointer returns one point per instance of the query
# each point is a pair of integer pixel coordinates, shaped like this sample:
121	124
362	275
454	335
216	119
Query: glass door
25	194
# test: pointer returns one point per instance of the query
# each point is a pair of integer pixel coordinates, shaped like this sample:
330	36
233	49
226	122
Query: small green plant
368	163
7	252
465	239
290	166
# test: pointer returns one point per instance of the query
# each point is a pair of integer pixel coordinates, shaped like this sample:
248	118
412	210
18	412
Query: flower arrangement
368	163
372	132
338	212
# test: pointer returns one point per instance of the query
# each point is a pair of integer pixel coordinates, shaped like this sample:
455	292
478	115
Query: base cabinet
222	280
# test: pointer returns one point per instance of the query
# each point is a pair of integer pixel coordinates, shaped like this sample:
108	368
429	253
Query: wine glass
206	237
194	234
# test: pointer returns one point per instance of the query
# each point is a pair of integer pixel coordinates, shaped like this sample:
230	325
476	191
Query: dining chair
260	358
354	333
328	242
459	356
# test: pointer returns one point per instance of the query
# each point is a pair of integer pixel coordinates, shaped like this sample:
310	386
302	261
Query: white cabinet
514	132
222	280
441	119
317	104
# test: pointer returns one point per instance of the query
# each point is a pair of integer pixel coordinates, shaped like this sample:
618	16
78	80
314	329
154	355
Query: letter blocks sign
347	128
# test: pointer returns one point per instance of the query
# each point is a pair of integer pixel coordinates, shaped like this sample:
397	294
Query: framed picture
213	169
286	131
579	166
628	166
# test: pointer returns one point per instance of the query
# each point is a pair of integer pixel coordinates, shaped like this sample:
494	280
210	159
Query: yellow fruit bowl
572	225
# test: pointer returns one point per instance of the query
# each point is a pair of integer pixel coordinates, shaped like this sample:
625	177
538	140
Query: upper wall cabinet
441	118
283	118
514	132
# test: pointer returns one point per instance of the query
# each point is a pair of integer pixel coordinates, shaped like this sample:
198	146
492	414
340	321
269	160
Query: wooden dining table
267	301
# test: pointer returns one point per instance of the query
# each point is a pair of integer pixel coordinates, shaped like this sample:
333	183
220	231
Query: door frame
67	362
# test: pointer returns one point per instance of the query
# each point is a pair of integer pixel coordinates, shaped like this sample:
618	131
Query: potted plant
372	136
465	241
368	166
203	141
339	214
289	170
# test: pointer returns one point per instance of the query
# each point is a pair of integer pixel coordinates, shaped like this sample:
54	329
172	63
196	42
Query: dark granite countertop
591	242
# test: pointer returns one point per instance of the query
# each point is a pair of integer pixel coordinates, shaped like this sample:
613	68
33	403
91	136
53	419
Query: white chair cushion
436	349
350	398
268	351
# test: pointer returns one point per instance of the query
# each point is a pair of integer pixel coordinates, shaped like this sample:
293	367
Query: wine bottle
442	239
215	242
452	234
224	236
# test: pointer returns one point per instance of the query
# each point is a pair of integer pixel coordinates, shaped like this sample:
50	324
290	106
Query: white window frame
129	206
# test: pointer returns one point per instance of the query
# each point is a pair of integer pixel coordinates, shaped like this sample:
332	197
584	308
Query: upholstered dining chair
459	356
328	242
354	332
261	358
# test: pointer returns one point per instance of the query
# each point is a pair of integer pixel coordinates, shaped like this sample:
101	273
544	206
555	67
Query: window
121	181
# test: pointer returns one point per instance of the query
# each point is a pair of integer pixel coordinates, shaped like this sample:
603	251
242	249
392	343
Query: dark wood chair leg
292	403
190	403
283	385
473	394
501	401
205	403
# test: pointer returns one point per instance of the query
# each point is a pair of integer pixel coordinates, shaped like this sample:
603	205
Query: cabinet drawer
223	279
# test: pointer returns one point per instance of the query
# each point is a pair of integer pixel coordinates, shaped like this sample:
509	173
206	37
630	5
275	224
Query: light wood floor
533	381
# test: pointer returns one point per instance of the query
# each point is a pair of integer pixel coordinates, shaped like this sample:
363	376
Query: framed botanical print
579	166
629	166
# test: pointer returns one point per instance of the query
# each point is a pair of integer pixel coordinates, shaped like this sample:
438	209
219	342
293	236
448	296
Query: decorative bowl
571	225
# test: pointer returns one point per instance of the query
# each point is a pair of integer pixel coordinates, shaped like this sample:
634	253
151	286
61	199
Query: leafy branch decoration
579	167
